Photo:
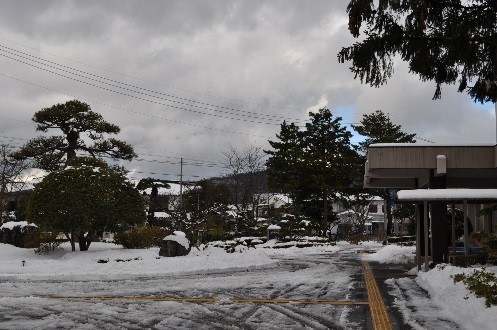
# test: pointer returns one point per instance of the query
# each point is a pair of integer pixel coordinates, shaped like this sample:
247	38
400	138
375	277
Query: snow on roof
380	145
173	190
446	194
348	212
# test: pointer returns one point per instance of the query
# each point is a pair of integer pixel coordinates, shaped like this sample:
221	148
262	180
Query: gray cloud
265	59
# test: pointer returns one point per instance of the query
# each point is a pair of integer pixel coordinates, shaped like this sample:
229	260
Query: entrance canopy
458	196
412	165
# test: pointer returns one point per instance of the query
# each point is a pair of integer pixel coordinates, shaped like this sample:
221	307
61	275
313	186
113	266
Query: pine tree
314	165
78	123
448	42
285	165
331	157
378	128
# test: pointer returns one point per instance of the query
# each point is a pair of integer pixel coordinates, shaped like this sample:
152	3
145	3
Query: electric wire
131	111
143	80
142	91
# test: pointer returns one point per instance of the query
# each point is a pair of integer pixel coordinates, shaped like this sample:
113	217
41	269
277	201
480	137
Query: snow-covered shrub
482	283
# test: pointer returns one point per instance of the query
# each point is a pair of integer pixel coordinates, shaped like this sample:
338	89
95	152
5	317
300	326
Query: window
373	208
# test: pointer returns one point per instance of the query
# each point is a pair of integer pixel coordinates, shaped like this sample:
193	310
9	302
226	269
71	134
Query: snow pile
456	299
12	224
393	254
107	259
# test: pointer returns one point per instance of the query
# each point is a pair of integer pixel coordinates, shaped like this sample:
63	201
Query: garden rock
174	245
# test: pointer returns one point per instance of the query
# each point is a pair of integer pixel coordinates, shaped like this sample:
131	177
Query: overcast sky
190	78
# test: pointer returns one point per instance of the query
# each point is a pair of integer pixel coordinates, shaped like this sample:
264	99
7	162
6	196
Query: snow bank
393	254
456	299
107	259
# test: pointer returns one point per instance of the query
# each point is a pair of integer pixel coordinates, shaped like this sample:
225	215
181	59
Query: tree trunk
72	139
325	212
70	237
84	241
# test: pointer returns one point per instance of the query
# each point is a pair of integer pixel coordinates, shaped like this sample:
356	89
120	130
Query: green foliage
84	200
377	127
488	242
140	237
447	42
482	283
314	165
285	165
78	124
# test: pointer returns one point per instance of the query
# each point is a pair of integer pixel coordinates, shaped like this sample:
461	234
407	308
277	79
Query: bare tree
359	204
11	171
243	167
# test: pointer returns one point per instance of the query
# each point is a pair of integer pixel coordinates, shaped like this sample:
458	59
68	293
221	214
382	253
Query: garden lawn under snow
110	260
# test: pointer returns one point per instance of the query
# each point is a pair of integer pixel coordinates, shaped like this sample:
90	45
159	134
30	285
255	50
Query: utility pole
181	186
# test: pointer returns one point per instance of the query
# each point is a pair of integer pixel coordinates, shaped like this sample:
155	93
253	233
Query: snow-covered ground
315	273
110	260
454	301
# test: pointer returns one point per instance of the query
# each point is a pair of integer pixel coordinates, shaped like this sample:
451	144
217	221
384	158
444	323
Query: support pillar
439	232
417	213
426	233
453	225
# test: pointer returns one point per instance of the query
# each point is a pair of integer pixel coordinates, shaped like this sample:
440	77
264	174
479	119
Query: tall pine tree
285	165
78	124
378	128
331	157
314	165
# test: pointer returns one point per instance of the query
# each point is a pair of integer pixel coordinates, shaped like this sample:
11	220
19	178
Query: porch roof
449	195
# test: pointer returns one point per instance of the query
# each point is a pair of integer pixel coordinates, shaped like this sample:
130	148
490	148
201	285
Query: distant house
264	203
167	198
13	201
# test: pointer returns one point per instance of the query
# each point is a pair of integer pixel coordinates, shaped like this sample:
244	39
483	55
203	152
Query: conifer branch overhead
447	42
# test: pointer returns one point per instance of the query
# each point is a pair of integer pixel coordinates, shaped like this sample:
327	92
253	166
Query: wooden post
418	235
453	228
466	237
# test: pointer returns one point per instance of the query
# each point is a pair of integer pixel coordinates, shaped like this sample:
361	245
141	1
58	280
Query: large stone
171	248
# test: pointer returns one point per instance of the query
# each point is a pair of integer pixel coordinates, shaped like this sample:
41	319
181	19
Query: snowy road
325	278
296	277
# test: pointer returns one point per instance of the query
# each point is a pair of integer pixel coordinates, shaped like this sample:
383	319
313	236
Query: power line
143	80
139	90
131	111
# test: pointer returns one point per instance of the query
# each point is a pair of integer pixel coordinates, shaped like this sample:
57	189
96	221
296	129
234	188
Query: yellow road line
377	307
